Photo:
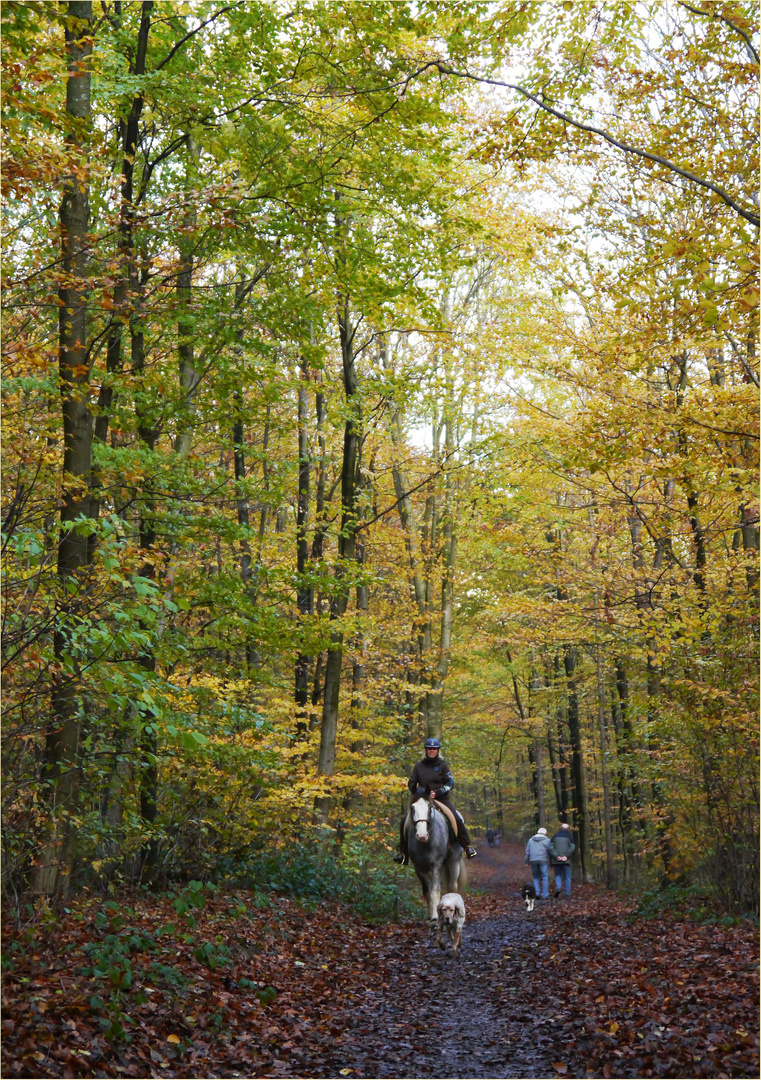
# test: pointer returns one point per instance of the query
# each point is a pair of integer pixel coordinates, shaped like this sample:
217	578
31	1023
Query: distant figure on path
538	858
562	848
490	837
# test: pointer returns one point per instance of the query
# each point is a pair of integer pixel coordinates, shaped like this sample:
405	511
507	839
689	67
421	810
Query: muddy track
438	1015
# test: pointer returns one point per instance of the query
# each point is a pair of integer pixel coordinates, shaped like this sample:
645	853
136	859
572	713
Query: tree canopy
374	371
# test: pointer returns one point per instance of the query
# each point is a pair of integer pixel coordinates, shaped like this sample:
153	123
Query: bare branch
748	215
714	14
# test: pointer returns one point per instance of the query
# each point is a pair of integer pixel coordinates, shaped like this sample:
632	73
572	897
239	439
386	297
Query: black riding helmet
432	744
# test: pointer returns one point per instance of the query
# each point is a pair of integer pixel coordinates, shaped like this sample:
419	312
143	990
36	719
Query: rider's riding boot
401	856
471	852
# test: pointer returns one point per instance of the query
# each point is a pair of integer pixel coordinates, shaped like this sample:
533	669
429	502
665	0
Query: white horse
432	853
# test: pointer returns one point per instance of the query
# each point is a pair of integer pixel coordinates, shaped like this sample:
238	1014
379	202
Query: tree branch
191	33
714	14
748	215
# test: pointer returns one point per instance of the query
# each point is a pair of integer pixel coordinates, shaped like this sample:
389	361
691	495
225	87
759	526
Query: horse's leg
425	884
435	894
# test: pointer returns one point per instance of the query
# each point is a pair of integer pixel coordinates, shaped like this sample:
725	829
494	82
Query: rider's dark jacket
433	771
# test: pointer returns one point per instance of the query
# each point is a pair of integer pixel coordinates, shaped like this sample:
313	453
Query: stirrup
471	852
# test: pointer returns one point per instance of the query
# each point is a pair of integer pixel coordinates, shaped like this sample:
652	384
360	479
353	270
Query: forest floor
151	987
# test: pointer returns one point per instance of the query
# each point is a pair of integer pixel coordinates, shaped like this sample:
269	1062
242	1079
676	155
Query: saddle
451	819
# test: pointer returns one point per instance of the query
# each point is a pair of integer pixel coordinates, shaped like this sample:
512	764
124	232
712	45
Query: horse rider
433	771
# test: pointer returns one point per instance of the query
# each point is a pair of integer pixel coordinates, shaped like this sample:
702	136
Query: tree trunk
359	664
581	806
555	766
305	592
61	755
129	131
147	739
448	562
561	717
407	516
318	538
610	872
346	553
189	377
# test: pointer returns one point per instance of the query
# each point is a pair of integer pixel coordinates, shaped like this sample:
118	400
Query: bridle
419	820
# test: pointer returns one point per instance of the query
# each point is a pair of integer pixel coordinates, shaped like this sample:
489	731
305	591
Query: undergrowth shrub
698	903
375	889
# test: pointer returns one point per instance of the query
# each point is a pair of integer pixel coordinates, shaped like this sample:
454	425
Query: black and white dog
528	895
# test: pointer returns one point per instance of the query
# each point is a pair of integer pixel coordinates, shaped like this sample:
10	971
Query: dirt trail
436	1015
577	988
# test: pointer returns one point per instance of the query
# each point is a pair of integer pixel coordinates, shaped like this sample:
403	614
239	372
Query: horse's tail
462	878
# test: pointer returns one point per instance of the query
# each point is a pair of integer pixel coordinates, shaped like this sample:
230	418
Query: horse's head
421	818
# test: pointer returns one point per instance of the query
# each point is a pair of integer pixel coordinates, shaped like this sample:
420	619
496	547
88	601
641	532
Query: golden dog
451	912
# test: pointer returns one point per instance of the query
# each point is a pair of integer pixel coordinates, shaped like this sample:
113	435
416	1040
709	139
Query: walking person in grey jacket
538	858
562	848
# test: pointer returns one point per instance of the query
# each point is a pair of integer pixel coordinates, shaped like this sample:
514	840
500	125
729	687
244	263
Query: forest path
578	988
439	1015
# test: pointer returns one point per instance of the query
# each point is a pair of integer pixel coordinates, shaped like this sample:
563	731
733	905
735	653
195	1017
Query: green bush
684	901
314	872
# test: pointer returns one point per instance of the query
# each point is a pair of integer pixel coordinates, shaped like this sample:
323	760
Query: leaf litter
241	987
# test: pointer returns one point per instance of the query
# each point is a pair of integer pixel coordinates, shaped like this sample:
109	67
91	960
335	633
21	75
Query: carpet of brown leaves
229	989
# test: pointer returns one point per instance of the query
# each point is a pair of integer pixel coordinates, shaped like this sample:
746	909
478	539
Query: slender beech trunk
699	538
634	799
243	513
408	518
748	536
535	751
448	562
430	540
555	767
128	134
318	539
147	739
610	871
578	769
346	554
698	531
359	663
561	718
62	750
189	376
305	592
644	603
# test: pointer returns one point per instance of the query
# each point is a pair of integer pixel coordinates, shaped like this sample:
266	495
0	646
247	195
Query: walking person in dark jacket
562	848
433	772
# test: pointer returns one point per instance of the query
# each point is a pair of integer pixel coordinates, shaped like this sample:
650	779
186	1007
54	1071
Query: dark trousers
462	830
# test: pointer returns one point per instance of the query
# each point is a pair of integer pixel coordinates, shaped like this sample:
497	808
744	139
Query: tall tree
61	758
